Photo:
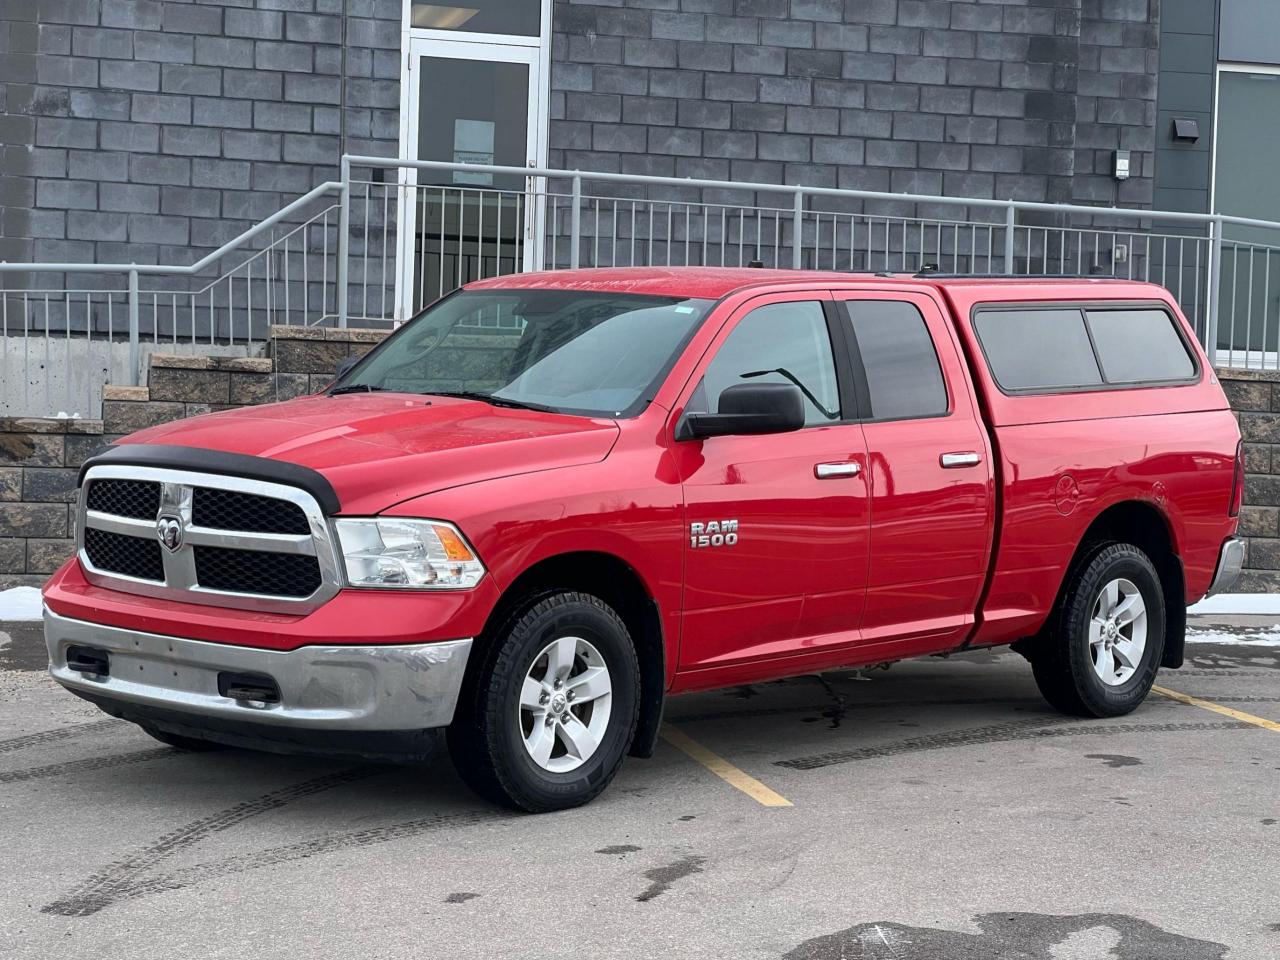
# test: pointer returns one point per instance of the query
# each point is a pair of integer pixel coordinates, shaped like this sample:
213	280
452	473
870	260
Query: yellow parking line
1218	708
722	768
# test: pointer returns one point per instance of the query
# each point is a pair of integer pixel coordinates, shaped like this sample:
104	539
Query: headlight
414	554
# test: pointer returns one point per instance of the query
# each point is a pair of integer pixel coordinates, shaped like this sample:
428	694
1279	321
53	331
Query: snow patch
1243	604
1245	638
21	603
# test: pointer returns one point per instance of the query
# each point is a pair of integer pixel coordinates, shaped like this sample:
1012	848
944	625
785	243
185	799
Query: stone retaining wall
40	458
1255	397
39	462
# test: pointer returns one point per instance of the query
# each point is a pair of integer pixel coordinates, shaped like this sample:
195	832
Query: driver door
776	525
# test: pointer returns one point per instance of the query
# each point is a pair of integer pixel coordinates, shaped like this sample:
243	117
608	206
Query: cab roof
713	283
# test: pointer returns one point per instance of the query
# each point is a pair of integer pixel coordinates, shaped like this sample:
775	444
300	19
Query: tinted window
1037	349
1137	345
903	376
778	343
571	351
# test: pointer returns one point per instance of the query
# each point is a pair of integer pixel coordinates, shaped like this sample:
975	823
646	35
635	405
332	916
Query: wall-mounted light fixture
1186	129
1120	168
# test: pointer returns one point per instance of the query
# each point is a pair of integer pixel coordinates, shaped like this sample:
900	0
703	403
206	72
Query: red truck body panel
906	559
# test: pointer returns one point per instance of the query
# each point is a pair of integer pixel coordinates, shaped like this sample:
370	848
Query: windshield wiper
493	400
354	388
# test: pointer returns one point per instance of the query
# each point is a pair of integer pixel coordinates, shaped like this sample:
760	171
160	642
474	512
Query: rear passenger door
929	470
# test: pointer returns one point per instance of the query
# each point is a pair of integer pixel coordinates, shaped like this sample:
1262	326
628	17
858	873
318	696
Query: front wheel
1104	646
550	709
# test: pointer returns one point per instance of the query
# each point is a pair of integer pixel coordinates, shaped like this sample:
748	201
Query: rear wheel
549	711
1104	645
184	743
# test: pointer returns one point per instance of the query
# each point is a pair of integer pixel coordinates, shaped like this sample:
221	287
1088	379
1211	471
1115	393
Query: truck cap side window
777	343
1051	349
582	352
1038	349
1139	345
904	379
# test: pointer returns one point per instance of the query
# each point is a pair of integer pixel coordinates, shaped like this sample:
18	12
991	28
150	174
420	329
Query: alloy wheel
565	702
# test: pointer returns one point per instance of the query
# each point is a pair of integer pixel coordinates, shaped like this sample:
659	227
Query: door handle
968	458
833	471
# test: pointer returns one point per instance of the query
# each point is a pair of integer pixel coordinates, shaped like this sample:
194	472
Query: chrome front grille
205	538
277	574
127	556
231	510
139	499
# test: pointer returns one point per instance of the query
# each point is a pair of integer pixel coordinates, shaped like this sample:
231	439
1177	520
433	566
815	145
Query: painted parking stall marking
723	769
1191	701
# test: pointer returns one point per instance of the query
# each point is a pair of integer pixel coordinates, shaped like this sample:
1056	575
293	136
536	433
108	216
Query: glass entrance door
476	103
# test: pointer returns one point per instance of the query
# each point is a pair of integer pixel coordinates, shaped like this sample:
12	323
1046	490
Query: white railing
390	236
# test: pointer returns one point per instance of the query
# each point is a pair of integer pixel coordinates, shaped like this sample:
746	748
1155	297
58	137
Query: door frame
416	43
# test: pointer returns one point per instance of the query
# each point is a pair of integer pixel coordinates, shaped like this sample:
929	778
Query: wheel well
1145	527
615	582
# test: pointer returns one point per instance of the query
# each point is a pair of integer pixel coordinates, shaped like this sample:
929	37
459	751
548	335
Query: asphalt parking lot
935	811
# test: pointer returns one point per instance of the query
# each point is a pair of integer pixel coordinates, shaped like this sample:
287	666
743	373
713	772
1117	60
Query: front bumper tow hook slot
93	664
249	689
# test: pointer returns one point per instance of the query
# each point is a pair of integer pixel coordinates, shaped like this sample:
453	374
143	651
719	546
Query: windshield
568	351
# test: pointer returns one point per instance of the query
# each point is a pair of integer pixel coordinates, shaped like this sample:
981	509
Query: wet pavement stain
618	849
833	713
460	897
661	878
1114	760
1008	936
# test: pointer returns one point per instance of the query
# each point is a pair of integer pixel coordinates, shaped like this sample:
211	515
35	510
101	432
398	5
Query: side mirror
344	366
747	409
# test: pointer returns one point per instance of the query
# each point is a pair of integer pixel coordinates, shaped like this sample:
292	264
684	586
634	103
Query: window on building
904	379
521	18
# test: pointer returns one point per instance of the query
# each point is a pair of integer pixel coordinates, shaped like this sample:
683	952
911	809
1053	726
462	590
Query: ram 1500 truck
550	501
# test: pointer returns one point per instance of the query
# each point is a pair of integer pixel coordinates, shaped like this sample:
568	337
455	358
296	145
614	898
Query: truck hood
378	449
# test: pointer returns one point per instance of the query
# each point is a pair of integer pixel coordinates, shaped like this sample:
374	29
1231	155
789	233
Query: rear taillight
1237	482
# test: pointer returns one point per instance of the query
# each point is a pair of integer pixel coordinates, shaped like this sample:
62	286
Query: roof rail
927	274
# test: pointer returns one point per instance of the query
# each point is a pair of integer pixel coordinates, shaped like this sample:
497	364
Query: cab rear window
1054	349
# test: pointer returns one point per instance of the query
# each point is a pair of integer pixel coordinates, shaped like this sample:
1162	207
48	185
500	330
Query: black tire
190	744
486	740
1063	661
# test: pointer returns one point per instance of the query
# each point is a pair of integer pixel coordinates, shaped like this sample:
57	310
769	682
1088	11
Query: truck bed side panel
1060	476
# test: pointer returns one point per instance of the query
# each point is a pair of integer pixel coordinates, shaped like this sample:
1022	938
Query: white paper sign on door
473	143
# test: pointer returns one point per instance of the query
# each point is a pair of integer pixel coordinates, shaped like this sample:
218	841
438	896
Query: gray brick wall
1021	99
137	130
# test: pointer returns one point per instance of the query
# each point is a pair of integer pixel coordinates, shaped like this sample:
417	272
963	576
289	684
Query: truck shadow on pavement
1025	936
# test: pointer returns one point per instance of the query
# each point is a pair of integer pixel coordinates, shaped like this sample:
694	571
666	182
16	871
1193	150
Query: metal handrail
134	271
793	211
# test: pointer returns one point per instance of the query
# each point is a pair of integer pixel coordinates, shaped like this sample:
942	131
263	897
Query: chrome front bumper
1230	561
354	688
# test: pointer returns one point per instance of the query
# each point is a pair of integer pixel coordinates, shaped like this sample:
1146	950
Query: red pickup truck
552	500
